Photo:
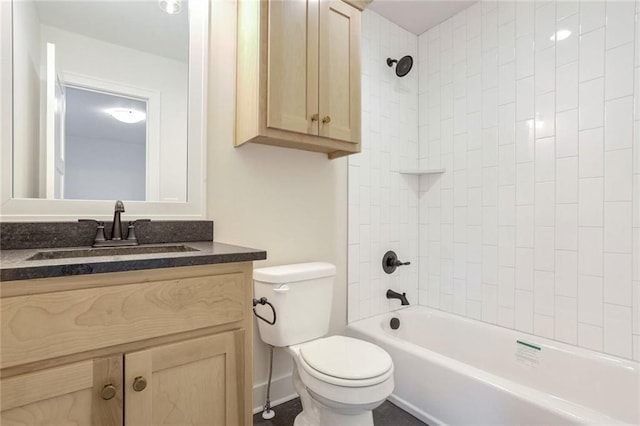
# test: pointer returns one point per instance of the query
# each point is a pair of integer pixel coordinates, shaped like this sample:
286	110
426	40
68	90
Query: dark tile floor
385	415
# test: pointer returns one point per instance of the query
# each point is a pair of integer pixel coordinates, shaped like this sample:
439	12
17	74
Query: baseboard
281	392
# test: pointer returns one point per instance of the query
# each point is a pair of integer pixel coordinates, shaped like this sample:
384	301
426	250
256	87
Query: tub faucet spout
394	295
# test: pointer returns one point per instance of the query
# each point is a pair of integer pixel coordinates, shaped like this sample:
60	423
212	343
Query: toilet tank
301	295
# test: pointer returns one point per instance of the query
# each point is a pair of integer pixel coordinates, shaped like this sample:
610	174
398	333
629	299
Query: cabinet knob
108	392
139	384
315	117
326	119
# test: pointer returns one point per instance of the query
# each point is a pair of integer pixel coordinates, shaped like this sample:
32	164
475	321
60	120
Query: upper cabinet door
293	66
339	75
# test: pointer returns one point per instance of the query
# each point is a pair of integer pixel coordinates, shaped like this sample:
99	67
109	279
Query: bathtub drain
395	323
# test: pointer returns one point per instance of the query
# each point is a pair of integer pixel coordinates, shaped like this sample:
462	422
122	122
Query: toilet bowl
340	379
340	391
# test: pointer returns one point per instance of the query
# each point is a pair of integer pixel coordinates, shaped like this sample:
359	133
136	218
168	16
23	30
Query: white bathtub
450	370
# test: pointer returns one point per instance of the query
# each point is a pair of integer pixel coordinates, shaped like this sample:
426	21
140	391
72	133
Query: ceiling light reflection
560	35
172	7
127	115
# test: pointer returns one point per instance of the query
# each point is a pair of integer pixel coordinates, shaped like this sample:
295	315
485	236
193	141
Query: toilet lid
346	358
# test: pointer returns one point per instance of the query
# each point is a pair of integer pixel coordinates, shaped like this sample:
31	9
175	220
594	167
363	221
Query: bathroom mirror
103	100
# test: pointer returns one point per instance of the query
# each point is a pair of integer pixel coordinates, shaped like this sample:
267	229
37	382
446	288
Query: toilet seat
345	361
341	393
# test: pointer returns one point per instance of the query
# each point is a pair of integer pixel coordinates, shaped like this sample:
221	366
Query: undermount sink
111	251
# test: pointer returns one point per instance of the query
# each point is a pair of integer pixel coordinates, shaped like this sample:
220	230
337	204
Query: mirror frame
34	209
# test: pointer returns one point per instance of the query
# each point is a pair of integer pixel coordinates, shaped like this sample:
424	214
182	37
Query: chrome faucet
394	295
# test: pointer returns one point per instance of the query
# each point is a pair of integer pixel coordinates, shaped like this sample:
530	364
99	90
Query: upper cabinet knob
315	117
326	120
139	384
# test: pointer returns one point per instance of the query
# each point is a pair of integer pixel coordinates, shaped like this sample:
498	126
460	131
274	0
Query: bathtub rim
538	340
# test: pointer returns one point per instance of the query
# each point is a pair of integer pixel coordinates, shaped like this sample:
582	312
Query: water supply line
267	412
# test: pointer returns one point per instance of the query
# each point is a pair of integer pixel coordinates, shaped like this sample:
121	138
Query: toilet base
315	413
328	418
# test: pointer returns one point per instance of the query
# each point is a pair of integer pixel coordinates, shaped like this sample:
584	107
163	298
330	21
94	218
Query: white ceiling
139	25
417	16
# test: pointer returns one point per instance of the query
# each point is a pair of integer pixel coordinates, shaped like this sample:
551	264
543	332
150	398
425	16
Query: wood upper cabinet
298	82
168	346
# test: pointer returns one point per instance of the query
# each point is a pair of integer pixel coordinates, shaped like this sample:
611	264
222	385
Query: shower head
403	66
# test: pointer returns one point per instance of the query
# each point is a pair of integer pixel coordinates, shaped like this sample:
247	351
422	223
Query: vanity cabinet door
194	382
83	393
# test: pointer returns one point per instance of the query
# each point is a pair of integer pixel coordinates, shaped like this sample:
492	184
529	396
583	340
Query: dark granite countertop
14	264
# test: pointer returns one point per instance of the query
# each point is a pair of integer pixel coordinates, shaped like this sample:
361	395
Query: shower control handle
315	117
390	262
326	120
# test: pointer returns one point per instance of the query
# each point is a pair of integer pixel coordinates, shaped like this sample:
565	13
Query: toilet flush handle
282	289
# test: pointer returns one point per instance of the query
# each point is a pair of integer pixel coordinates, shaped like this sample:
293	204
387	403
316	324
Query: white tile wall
536	223
554	248
383	205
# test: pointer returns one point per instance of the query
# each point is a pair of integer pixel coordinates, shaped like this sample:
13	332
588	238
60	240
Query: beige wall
291	203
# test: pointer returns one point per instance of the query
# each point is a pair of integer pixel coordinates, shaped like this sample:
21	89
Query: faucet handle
99	238
99	233
390	262
131	233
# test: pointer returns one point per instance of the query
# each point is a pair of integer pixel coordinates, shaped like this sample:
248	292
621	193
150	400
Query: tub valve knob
390	262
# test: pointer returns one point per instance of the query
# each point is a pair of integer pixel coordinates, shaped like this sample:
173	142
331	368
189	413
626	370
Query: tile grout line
577	270
535	147
604	171
555	164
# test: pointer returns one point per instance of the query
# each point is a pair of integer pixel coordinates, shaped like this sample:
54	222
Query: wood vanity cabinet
170	346
298	75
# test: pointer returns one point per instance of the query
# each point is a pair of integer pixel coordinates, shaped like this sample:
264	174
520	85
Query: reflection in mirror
103	129
100	99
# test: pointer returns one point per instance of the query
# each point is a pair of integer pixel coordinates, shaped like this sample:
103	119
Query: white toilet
340	380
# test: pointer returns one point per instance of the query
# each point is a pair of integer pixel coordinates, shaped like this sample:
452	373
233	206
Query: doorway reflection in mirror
72	61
